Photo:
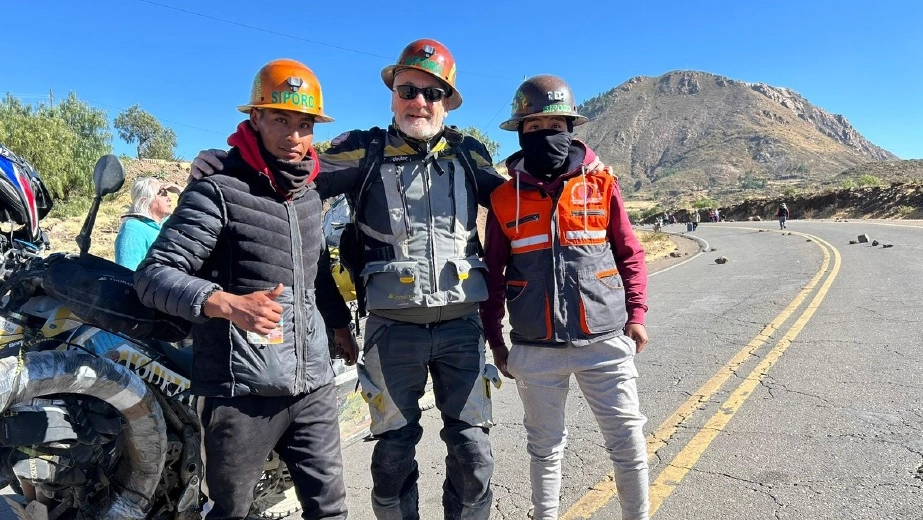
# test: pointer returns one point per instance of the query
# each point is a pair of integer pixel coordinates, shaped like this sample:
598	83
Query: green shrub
848	184
868	180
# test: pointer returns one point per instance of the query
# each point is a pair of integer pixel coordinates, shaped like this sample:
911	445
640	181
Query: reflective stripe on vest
521	244
585	235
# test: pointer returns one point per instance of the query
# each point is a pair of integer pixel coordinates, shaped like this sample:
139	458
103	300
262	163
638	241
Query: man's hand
346	346
637	332
207	163
501	353
255	312
596	166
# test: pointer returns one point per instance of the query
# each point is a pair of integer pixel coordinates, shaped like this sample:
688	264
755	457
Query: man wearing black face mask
561	251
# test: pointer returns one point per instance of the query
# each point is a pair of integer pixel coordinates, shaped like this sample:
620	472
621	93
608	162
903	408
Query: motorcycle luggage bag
102	293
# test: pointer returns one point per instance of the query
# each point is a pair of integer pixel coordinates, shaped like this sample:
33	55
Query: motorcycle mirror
108	175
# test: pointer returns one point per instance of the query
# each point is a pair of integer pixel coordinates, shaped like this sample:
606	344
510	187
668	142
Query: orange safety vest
562	283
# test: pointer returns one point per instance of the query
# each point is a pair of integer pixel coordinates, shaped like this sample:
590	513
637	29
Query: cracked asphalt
832	427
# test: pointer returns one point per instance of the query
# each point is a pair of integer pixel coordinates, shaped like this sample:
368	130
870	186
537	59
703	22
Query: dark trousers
398	357
240	432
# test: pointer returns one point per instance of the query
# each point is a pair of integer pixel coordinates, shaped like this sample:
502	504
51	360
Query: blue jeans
398	357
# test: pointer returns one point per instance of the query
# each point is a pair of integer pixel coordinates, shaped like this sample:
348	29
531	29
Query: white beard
419	128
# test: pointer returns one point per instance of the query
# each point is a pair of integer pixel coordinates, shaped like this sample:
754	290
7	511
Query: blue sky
190	63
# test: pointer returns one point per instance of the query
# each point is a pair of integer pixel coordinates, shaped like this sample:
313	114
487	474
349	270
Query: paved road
784	384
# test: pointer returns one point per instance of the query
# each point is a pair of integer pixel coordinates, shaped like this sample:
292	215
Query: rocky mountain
689	131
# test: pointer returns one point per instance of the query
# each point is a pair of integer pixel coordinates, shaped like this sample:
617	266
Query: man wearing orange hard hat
239	259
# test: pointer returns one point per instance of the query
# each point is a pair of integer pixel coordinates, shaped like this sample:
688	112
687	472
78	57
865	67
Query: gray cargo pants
398	357
607	376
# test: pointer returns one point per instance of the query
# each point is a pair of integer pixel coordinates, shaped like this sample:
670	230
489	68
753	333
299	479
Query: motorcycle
96	417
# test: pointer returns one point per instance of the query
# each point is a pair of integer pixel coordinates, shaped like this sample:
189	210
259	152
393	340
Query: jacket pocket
602	301
266	364
530	315
467	283
391	285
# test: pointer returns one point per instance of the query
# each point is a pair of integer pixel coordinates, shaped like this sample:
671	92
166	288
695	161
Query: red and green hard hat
543	95
431	57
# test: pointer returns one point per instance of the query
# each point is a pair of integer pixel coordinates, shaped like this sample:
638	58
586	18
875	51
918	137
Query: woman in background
150	206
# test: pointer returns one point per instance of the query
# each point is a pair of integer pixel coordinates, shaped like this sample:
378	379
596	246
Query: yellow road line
674	472
604	491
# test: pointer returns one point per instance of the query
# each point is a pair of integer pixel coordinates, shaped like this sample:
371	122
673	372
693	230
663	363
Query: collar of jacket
578	157
449	136
244	139
143	218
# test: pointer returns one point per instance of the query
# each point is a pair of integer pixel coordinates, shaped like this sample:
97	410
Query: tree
161	146
47	142
154	141
321	146
492	146
91	128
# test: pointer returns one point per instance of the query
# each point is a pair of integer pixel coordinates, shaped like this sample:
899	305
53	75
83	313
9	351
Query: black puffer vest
237	233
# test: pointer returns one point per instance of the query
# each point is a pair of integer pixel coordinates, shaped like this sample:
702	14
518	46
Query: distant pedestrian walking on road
782	215
694	218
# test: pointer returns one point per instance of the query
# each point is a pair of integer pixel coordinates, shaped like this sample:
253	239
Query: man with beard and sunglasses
415	189
243	258
561	254
416	207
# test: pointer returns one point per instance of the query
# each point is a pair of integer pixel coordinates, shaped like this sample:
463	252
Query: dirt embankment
897	201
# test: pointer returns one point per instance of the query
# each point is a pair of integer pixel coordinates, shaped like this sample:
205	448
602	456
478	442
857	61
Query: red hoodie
244	139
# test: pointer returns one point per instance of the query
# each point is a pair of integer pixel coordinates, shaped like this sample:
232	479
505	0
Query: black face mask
545	151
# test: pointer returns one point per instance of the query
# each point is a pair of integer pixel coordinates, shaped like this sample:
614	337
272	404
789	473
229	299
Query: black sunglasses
162	192
431	94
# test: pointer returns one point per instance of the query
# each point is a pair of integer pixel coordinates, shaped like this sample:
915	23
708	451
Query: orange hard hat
431	57
287	85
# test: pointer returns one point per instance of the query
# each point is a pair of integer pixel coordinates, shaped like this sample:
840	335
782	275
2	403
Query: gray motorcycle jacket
418	215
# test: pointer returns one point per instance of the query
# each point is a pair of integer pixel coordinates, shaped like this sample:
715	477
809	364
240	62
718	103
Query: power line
262	29
316	42
293	37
